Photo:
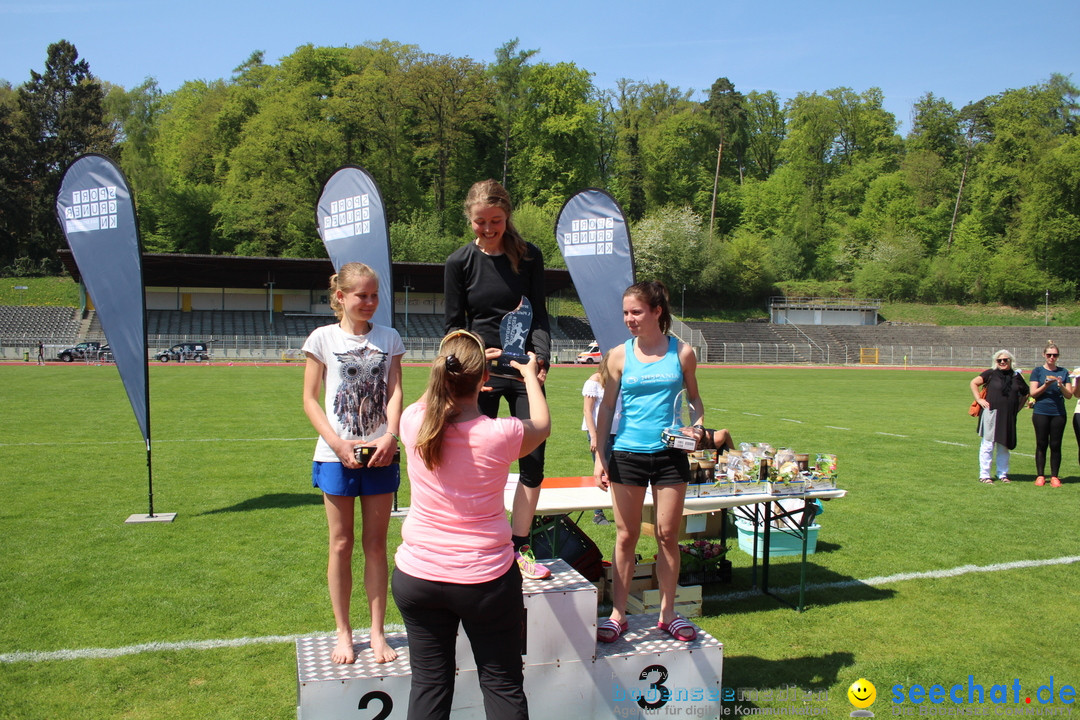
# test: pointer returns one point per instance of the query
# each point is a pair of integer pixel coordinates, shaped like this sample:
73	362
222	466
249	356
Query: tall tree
509	73
640	105
935	127
726	106
62	116
450	101
766	128
14	160
370	106
556	132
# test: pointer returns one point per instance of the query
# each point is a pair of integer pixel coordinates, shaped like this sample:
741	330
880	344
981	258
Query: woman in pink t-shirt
455	564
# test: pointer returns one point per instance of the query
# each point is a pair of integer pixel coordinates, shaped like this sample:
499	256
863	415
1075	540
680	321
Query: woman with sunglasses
1050	388
1005	390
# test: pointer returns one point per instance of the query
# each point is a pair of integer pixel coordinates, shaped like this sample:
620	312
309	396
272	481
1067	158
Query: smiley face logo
862	693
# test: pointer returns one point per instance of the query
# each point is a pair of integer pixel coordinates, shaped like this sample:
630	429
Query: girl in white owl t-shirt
357	415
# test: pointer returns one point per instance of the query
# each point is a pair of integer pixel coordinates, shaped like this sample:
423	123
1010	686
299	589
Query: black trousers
1048	431
530	467
491	614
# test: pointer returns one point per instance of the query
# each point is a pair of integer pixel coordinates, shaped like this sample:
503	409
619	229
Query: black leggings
1048	431
491	613
531	466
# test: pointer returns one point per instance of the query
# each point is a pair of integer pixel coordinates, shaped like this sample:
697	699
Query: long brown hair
455	375
489	193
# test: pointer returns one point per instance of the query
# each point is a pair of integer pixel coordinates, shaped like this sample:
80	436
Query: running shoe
528	565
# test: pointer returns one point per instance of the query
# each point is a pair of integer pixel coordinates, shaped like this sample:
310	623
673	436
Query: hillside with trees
733	195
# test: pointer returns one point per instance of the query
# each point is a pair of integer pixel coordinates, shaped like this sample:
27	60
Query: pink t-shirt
456	530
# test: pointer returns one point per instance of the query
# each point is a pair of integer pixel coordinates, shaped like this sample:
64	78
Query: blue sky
962	50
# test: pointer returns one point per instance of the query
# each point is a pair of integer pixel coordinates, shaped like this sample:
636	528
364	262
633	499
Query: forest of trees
733	196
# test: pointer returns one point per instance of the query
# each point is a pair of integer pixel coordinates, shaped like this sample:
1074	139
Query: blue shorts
333	478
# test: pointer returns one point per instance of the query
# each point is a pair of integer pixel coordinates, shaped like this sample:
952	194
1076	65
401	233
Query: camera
363	453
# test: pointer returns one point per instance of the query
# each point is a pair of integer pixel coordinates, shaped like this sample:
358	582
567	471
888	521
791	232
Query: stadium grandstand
263	309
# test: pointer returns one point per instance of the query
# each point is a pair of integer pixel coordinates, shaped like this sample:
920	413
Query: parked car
82	351
590	356
181	352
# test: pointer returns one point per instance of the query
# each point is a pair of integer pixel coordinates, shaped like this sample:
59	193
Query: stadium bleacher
33	324
835	344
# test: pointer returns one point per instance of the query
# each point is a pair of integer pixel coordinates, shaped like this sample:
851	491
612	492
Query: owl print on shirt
360	403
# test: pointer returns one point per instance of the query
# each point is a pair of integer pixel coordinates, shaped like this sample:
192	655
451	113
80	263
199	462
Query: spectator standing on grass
1074	385
1005	393
456	562
485	280
593	391
1050	388
357	365
648	372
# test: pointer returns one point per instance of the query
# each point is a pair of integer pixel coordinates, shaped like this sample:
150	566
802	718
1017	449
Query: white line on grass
104	653
159	442
99	653
946	442
890	434
790	420
901	577
833	427
753	414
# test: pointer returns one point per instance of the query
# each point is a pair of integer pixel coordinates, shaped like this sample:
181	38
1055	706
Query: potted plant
703	561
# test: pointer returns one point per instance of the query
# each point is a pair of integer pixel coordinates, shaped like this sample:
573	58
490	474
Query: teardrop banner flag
96	212
595	242
353	226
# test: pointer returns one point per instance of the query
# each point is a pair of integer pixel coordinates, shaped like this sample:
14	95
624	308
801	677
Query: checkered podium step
568	674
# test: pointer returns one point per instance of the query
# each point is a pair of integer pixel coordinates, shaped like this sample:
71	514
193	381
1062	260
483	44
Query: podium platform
568	674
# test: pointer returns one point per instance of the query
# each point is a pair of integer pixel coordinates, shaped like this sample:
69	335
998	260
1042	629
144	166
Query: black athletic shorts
666	467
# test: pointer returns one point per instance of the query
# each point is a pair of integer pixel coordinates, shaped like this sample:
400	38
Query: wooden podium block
560	619
568	675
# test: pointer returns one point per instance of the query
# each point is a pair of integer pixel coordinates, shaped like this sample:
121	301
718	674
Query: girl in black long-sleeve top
485	280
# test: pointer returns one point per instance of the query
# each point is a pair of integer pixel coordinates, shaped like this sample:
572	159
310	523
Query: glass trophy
680	418
513	330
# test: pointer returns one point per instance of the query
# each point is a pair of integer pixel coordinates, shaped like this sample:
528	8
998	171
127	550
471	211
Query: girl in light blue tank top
648	372
648	394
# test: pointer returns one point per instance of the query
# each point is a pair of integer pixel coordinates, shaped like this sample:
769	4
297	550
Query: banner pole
150	480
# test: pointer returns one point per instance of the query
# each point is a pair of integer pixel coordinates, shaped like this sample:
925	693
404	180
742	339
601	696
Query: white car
590	356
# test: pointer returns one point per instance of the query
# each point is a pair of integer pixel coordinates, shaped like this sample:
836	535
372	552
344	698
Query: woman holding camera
456	565
357	417
1050	388
648	372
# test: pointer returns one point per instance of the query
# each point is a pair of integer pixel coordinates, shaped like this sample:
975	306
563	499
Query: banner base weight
144	518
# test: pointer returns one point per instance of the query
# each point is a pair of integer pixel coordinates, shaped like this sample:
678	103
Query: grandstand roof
231	271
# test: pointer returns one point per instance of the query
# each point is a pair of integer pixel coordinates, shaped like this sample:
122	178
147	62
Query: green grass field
245	557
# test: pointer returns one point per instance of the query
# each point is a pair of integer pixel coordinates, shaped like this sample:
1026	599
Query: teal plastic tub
780	543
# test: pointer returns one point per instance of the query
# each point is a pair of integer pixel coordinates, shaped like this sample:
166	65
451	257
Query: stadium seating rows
31	324
804	343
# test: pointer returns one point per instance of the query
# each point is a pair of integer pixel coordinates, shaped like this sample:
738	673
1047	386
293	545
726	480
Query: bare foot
343	652
383	652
